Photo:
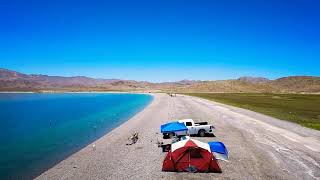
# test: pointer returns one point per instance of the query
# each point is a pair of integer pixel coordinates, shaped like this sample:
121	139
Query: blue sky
164	40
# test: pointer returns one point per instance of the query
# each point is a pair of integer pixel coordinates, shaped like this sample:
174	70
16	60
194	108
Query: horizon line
102	78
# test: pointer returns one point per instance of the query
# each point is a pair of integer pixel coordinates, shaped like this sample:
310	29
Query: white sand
260	147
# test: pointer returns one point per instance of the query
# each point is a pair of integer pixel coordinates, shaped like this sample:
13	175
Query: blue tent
173	127
219	149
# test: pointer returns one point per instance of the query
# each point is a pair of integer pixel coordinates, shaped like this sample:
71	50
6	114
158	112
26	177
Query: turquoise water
39	130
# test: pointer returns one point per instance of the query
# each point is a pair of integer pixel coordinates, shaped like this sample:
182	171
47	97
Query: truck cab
190	125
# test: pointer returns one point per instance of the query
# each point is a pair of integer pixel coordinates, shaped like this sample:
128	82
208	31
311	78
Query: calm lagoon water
39	130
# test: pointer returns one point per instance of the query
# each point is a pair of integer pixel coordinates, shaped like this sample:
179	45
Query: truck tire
201	133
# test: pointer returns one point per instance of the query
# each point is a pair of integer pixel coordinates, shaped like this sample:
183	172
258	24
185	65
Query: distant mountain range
15	81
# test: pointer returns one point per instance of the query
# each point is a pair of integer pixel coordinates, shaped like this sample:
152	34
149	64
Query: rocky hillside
297	84
15	81
254	79
227	86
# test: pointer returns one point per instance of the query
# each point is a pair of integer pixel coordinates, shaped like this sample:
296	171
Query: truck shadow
195	135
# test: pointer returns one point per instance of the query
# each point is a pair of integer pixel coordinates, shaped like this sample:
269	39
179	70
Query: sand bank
260	147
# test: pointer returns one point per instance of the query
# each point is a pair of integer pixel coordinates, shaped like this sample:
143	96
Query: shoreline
145	92
57	144
17	92
275	150
97	142
57	92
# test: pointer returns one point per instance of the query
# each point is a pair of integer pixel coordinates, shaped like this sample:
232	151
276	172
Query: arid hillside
15	81
298	84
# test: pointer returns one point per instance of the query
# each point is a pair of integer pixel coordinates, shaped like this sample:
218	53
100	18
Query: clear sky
164	40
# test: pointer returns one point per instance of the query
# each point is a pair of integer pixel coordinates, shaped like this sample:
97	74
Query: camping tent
173	127
219	150
190	156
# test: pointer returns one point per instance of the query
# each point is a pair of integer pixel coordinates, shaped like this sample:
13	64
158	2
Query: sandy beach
260	147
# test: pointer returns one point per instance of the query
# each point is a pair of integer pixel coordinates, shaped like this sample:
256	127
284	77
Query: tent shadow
206	135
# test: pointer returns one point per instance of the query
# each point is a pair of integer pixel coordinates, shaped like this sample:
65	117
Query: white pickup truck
200	128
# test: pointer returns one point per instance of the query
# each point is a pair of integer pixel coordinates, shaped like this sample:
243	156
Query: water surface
39	130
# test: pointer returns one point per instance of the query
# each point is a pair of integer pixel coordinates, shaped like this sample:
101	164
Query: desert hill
15	81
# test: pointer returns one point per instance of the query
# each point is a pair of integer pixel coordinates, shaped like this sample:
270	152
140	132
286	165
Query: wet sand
260	147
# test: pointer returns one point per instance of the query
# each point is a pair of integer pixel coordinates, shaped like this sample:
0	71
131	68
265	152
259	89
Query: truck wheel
202	133
171	135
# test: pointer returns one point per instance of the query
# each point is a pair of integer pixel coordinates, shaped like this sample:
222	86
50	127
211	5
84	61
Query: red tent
190	156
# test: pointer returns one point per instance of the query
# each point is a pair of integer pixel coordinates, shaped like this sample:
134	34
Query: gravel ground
260	147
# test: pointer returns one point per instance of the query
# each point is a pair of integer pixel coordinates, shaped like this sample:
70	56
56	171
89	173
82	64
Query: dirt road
260	147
